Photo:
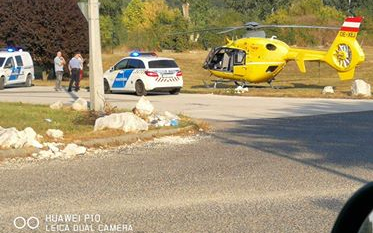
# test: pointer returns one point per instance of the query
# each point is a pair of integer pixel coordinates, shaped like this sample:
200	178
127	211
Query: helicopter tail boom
345	53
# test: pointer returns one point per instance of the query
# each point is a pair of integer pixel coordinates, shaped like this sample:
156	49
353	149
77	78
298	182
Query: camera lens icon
31	223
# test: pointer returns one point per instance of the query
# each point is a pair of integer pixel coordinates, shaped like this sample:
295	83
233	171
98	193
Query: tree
43	28
307	12
256	9
134	17
107	31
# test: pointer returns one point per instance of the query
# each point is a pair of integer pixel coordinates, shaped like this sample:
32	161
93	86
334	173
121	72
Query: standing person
74	67
59	63
81	60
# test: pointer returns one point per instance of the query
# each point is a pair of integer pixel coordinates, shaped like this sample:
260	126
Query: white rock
360	87
55	133
144	107
57	105
171	116
45	154
53	147
133	123
73	150
35	143
80	105
57	154
240	89
12	138
128	122
113	121
162	123
31	138
328	90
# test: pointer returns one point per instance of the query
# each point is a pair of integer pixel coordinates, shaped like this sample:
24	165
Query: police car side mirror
112	69
357	216
7	66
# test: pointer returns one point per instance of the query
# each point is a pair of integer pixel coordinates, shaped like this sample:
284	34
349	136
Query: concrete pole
96	82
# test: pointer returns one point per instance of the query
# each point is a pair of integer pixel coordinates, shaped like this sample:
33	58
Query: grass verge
293	83
77	126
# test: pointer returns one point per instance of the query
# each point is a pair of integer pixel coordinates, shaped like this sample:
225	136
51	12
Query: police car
16	67
141	73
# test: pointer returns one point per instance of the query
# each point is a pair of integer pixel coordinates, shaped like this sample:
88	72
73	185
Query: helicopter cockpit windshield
224	59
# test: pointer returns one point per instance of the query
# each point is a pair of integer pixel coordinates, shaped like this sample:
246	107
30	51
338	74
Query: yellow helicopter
256	59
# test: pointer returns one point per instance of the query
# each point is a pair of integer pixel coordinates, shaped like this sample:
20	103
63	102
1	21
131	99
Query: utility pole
96	82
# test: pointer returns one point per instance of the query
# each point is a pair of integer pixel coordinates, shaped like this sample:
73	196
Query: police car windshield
2	59
159	64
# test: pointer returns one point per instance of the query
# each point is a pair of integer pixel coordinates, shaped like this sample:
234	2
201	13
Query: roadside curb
17	153
118	140
131	138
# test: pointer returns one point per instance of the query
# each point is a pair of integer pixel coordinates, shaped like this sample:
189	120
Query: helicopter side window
239	57
224	59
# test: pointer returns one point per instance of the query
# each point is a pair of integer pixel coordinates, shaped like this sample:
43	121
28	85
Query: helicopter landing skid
215	83
270	82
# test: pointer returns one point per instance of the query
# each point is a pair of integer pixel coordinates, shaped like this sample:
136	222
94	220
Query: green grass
21	115
75	125
291	81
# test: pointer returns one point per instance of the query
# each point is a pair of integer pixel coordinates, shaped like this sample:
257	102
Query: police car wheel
28	82
106	87
140	88
175	91
2	82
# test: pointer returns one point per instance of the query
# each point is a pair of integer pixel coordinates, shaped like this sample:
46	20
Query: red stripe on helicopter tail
354	19
348	29
352	24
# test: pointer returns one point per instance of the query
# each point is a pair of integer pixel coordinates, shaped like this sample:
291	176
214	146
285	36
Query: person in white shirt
59	63
81	60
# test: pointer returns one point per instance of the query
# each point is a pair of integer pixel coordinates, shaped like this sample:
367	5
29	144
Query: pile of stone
78	105
359	88
141	117
60	151
11	138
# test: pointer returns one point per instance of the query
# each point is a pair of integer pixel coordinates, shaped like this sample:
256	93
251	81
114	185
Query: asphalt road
208	107
259	174
267	175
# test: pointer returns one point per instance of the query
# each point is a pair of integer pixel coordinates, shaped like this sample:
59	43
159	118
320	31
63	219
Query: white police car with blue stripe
16	67
141	73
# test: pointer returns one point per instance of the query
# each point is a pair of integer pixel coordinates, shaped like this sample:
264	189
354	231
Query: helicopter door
222	59
239	63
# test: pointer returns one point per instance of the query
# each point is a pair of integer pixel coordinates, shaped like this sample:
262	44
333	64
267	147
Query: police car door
116	79
134	69
20	69
11	75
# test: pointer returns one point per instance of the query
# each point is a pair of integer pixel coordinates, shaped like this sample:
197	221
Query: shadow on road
336	141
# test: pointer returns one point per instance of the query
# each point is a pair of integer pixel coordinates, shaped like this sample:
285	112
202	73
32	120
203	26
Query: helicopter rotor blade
252	26
199	30
297	26
231	29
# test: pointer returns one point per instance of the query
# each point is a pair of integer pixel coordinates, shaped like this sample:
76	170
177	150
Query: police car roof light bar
143	54
11	49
